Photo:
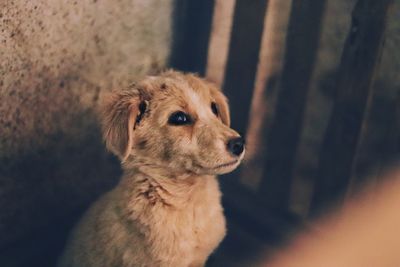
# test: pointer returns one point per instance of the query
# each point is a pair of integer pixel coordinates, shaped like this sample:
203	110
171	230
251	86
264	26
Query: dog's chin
226	168
220	168
189	166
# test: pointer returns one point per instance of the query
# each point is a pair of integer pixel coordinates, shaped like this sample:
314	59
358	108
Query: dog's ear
223	107
121	112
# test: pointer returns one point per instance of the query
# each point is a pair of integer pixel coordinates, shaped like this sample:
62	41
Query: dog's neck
156	172
160	186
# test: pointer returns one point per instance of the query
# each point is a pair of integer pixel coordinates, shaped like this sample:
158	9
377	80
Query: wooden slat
377	148
395	134
282	142
269	69
219	40
358	66
192	27
242	59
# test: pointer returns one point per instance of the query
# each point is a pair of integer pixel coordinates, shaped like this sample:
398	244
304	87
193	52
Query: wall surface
56	60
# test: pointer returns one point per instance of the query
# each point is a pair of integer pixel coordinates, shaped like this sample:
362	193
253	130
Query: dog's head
174	121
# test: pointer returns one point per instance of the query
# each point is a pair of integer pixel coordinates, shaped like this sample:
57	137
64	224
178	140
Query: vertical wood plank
219	40
243	58
269	70
282	141
192	27
377	148
359	62
395	149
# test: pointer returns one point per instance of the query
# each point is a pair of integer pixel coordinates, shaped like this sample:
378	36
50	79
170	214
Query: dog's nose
236	146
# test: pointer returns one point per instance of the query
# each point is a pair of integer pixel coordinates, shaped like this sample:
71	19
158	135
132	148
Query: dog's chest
187	236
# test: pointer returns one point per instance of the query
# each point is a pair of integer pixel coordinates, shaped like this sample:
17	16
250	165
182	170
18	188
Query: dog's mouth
220	168
229	164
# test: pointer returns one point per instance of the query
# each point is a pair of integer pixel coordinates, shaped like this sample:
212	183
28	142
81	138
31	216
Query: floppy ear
120	113
223	108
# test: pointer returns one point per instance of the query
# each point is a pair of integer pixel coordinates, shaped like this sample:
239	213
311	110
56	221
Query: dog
172	135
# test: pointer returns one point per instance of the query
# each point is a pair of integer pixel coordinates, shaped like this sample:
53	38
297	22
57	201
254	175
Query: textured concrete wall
56	60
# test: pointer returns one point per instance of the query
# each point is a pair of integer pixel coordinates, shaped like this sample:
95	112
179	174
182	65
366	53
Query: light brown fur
166	209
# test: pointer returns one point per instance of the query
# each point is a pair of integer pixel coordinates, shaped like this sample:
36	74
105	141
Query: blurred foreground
363	233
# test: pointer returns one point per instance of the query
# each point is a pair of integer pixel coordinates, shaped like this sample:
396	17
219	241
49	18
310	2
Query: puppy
172	135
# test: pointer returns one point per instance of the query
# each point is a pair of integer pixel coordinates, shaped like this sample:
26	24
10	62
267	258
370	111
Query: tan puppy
172	135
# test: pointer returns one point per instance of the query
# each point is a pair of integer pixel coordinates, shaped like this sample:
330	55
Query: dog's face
174	121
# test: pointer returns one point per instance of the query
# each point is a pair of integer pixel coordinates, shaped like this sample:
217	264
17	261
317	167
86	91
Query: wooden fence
267	77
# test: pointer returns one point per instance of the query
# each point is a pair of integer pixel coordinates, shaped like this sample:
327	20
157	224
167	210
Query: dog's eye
179	118
214	108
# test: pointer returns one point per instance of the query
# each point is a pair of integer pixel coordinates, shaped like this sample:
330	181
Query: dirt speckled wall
56	60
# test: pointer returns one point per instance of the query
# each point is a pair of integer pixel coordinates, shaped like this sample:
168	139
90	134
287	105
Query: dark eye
214	108
179	118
